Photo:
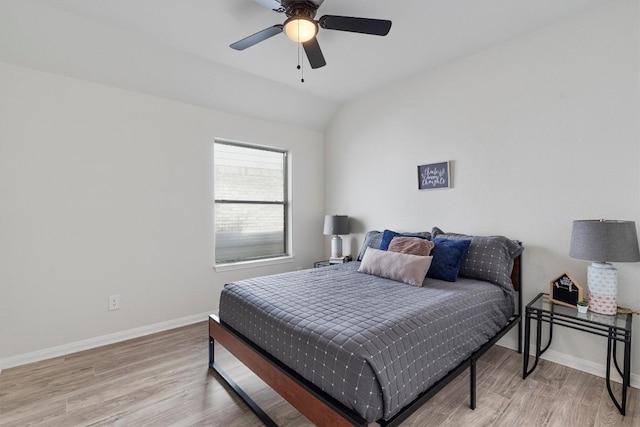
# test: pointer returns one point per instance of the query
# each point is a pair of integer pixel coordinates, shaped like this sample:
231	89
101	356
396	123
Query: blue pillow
447	258
388	235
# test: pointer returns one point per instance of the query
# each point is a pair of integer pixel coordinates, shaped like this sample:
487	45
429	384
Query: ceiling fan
301	26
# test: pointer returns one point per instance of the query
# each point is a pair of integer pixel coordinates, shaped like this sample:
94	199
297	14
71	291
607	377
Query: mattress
373	344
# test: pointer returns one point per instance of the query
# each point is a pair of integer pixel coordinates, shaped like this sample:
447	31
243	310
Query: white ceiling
180	48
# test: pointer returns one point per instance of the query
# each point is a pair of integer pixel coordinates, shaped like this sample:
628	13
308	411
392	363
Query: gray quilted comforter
374	344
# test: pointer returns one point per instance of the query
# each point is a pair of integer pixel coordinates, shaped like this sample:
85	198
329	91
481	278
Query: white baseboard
65	349
597	369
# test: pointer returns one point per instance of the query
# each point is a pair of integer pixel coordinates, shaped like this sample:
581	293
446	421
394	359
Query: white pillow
407	268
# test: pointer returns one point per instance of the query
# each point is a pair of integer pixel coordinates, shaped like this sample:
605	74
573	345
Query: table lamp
335	225
601	241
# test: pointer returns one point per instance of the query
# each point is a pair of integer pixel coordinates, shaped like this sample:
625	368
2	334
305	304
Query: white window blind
251	206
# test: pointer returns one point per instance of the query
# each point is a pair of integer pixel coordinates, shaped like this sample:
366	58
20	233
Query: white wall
105	191
541	131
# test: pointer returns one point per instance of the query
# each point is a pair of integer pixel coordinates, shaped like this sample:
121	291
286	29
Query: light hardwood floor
164	380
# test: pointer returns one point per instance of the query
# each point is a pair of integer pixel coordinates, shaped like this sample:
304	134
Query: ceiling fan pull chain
300	63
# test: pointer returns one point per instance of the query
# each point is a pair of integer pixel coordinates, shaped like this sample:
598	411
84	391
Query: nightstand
332	261
616	328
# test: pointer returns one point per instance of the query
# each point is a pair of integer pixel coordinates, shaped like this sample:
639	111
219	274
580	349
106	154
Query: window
251	202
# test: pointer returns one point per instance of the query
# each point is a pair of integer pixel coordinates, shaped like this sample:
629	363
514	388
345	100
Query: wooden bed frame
318	406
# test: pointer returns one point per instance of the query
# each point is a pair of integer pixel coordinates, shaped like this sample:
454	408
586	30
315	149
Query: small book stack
340	260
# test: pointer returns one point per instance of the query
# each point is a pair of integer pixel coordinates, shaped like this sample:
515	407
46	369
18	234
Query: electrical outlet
114	302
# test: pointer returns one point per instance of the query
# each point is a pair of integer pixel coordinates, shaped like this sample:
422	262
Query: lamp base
336	247
603	288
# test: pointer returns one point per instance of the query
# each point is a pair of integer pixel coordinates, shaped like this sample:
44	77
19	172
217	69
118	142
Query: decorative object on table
601	241
433	175
340	260
565	290
583	306
336	225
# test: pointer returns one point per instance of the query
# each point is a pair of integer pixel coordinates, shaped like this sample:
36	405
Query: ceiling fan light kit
301	27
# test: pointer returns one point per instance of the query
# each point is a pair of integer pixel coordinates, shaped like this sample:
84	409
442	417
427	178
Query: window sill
253	264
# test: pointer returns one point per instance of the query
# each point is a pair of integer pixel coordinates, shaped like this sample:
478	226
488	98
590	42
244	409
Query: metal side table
616	328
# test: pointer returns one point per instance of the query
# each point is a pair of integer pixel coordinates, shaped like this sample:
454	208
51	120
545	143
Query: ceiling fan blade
271	4
314	53
378	27
257	37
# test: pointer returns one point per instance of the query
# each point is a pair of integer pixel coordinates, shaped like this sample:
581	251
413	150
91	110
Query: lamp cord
624	310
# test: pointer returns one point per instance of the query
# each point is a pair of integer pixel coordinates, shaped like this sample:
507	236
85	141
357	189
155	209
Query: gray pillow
371	240
489	258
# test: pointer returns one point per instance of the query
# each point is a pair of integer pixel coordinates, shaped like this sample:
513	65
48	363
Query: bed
349	348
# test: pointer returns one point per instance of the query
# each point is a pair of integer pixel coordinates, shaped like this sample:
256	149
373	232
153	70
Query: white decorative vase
336	247
603	288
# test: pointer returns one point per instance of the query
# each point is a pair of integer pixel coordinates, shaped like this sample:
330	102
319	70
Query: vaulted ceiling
179	49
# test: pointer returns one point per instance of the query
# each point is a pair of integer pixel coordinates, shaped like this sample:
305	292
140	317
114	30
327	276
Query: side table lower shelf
616	328
332	261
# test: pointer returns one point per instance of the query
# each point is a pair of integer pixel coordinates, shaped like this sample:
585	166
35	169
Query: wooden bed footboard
313	403
318	407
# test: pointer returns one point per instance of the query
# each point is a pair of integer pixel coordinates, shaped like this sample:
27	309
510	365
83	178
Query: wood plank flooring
164	380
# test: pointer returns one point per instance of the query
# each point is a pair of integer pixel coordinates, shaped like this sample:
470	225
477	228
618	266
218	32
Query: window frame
287	256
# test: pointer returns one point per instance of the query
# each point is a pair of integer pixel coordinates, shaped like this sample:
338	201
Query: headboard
516	273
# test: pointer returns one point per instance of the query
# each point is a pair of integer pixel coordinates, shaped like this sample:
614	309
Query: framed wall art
434	175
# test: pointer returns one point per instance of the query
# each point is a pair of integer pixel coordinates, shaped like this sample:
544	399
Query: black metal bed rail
470	363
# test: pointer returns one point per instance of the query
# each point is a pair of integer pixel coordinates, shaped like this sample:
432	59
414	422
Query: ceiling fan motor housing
304	9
